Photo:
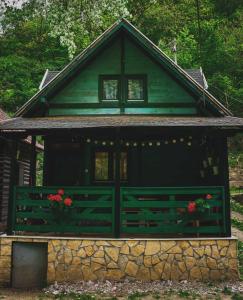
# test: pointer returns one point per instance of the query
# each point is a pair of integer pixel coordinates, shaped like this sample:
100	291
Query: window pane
135	89
123	166
110	89
101	166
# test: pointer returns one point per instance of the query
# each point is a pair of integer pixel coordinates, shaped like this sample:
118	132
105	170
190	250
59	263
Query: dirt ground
10	294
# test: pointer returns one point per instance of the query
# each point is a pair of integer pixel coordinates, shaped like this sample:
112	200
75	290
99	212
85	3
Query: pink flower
208	196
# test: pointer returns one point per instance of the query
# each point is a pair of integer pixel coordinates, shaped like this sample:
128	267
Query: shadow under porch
128	183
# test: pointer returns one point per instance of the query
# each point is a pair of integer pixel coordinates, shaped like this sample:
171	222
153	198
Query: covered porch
125	181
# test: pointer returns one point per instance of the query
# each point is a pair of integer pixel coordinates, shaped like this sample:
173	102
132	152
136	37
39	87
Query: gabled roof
147	45
196	74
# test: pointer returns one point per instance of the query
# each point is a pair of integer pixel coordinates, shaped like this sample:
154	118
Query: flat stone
137	250
215	252
194	243
88	274
155	259
166	245
215	275
159	268
208	251
147	260
184	245
182	266
143	274
89	250
131	269
154	275
199	251
74	245
86	243
125	249
102	243
76	261
5	262
205	273
190	262
223	243
232	252
99	260
117	243
94	266
223	251
152	247
81	253
112	265
99	253
114	274
211	263
163	257
208	243
132	243
112	252
175	273
175	249
166	272
6	250
195	273
52	256
68	257
233	263
188	252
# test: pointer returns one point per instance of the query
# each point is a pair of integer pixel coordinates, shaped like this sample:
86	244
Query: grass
235	206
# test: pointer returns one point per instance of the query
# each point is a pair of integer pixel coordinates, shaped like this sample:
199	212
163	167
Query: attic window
109	88
136	88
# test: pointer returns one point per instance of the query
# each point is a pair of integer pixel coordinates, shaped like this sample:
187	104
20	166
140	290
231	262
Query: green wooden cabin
132	138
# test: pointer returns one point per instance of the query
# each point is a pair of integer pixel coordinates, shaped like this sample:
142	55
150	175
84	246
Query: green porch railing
164	211
92	210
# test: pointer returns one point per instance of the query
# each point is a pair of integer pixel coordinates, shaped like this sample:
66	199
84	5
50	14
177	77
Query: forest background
36	35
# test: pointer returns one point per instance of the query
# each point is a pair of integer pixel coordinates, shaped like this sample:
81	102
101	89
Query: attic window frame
102	78
142	77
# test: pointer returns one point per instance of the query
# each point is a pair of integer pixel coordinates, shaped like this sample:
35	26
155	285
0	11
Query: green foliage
236	207
46	34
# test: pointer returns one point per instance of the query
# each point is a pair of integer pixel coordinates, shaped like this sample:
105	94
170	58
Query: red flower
191	208
209	196
68	201
57	198
61	192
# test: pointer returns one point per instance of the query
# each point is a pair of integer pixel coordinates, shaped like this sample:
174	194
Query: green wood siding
80	95
161	87
84	87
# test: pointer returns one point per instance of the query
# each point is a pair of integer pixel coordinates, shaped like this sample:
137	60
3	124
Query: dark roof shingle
80	122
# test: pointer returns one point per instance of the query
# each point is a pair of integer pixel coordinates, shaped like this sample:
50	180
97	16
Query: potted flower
61	205
199	206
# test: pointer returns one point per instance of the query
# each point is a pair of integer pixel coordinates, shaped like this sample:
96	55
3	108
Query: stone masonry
71	259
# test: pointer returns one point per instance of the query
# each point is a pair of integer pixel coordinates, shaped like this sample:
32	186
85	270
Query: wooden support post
32	179
13	146
117	184
46	163
224	171
87	164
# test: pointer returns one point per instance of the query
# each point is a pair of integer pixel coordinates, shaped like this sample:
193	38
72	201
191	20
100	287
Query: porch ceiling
79	122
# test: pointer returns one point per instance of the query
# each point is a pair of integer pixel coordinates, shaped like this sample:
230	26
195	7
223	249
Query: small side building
23	168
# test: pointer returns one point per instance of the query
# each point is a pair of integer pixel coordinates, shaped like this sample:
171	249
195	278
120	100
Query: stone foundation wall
95	259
